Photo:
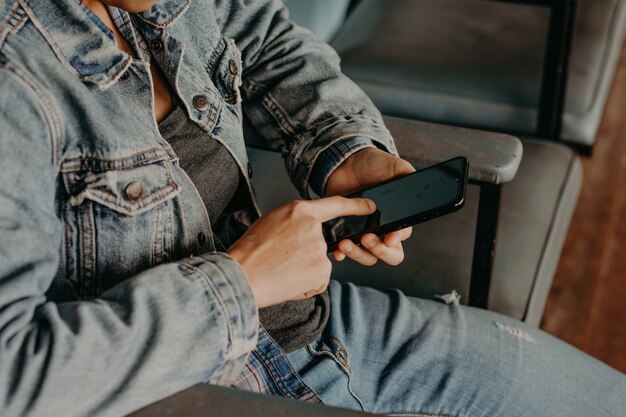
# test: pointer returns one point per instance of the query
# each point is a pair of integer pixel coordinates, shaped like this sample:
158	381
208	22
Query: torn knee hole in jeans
514	331
450	298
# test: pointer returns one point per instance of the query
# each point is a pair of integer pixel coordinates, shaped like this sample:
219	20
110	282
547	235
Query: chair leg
552	101
484	244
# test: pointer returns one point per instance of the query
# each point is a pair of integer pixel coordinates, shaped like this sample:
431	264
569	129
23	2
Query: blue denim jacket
110	297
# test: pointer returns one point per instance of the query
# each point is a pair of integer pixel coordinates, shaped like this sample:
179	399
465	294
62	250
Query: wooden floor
587	303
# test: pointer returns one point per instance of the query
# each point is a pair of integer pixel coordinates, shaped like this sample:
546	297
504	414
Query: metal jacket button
232	65
156	45
201	103
134	190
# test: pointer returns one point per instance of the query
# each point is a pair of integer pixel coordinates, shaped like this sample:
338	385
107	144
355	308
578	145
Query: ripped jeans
383	352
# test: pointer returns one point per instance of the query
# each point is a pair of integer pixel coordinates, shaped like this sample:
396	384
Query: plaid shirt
268	372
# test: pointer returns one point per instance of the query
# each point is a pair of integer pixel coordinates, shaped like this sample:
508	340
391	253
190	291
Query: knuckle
327	269
297	207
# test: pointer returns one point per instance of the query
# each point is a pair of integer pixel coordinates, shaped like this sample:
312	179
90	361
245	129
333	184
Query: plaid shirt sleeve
331	158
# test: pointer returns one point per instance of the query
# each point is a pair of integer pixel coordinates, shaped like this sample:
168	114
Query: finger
339	256
330	208
393	238
391	255
356	253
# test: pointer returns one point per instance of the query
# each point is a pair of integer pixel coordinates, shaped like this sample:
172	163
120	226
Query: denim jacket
110	297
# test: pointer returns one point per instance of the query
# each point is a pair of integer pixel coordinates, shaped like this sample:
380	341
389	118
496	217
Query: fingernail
370	243
346	248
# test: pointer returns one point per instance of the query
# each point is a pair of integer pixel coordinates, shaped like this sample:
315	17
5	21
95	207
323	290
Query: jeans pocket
333	349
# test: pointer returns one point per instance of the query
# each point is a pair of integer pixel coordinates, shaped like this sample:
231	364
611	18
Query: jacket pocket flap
127	191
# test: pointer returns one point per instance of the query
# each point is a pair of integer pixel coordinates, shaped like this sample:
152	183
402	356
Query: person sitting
134	261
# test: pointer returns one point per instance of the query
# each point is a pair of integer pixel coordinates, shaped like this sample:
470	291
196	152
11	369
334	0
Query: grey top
209	165
215	174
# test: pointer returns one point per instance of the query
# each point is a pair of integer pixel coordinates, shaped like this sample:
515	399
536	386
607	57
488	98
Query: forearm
168	328
294	92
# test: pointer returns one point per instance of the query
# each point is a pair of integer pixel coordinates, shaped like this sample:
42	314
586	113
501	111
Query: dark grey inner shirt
216	175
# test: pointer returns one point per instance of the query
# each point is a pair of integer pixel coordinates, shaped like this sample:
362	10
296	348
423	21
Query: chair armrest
494	157
208	400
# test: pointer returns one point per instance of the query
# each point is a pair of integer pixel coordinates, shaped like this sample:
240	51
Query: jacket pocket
119	219
129	189
225	68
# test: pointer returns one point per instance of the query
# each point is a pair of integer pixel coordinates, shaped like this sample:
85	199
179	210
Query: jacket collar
164	12
84	44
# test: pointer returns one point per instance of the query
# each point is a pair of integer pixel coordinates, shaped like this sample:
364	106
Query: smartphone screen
409	200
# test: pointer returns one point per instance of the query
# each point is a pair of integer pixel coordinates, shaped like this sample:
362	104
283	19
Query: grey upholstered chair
538	195
476	62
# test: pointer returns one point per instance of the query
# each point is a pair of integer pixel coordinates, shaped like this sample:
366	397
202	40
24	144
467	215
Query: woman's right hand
284	253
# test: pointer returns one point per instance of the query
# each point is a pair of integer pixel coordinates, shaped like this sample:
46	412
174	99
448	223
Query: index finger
330	208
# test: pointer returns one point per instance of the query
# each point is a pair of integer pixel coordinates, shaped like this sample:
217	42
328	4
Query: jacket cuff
227	283
330	159
309	147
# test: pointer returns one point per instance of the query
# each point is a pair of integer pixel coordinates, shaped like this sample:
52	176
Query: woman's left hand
363	169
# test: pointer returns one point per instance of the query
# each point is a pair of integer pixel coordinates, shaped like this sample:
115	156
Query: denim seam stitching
208	284
80	237
46	35
66	255
280	380
169	23
118	164
218	52
266	363
344	367
293	163
92	249
147	201
299	142
10	24
273	107
279	115
43	102
170	244
155	255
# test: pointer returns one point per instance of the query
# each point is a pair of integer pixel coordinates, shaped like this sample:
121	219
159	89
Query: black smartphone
408	200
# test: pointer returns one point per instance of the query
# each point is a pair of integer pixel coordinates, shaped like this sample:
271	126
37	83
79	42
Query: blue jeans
393	354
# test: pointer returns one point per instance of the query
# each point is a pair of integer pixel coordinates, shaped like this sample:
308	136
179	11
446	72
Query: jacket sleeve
157	333
294	93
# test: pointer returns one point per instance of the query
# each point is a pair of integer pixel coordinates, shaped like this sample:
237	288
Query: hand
364	169
284	252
